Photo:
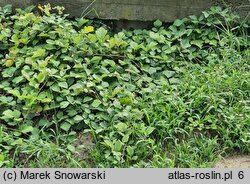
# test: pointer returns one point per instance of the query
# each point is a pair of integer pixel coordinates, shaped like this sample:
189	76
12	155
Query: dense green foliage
164	97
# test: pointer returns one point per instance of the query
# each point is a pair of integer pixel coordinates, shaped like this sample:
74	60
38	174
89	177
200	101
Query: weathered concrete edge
165	10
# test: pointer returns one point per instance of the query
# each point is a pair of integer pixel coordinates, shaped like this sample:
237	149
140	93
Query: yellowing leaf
88	29
40	8
9	62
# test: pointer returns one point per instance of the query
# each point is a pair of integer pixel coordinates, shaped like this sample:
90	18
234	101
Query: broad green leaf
206	14
1	158
130	150
125	100
109	144
125	138
65	126
63	85
6	99
87	99
78	118
157	23
178	22
169	74
153	35
96	103
40	52
55	87
134	45
41	77
26	129
198	43
12	114
71	112
121	127
101	33
213	42
118	146
64	104
71	148
152	70
185	43
17	80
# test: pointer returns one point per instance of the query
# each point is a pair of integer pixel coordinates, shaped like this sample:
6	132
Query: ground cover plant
73	94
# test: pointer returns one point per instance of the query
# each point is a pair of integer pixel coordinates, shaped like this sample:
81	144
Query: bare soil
237	161
84	145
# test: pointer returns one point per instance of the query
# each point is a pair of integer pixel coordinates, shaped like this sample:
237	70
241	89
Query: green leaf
65	126
5	99
96	103
27	129
152	70
121	127
198	43
17	80
157	23
9	114
169	74
125	100
55	87
71	112
1	158
178	22
64	104
185	43
174	81
108	143
63	85
71	148
130	151
153	35
134	45
213	42
101	33
87	99
78	118
206	14
149	130
118	146
7	9
41	77
39	53
151	45
43	122
125	138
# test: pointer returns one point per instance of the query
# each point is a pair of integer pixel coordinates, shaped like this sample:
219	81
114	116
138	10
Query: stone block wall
139	10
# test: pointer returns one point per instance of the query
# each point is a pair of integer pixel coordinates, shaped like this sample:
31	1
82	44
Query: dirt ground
237	161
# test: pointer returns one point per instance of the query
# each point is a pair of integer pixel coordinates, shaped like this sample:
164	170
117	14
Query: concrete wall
142	10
